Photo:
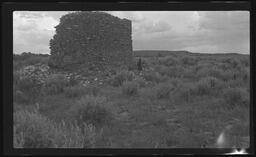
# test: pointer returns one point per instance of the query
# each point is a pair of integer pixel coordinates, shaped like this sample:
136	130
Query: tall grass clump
75	136
130	88
121	77
26	90
208	86
236	97
203	87
91	110
32	130
55	84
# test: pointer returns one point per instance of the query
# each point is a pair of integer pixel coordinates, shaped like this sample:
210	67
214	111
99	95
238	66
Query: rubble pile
39	72
91	41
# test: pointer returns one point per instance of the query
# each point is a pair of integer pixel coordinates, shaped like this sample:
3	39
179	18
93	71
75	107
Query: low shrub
28	87
236	97
141	82
74	91
246	74
90	110
20	97
16	78
215	72
55	84
241	74
92	89
163	90
36	59
184	92
152	76
163	70
164	78
168	61
32	130
190	74
189	60
176	71
25	59
215	83
176	82
235	63
208	85
73	81
224	66
133	65
245	61
79	90
130	88
121	77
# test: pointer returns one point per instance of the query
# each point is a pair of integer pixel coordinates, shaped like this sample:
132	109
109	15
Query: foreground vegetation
179	100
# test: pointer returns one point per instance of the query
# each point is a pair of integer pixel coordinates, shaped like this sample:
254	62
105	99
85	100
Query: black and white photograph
131	79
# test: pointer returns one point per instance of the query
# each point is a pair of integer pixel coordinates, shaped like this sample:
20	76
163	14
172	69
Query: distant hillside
162	53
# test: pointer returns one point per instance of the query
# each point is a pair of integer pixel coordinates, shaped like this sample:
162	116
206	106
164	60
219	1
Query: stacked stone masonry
93	39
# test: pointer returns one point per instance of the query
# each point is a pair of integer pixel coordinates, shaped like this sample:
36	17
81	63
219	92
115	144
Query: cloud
159	26
135	16
228	30
56	14
32	32
224	20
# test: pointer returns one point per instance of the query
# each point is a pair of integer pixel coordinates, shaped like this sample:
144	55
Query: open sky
195	31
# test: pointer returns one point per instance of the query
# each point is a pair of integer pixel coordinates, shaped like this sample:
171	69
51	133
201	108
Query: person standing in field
139	65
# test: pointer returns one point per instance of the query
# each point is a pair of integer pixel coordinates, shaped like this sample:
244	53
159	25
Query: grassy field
178	101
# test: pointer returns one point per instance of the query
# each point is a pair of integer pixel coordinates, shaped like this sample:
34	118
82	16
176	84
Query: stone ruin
91	40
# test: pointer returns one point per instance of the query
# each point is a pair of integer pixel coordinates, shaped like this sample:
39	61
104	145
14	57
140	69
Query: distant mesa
163	53
157	53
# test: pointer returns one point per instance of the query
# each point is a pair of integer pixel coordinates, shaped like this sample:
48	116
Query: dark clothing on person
139	65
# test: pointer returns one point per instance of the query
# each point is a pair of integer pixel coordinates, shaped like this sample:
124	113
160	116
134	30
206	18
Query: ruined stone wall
94	39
